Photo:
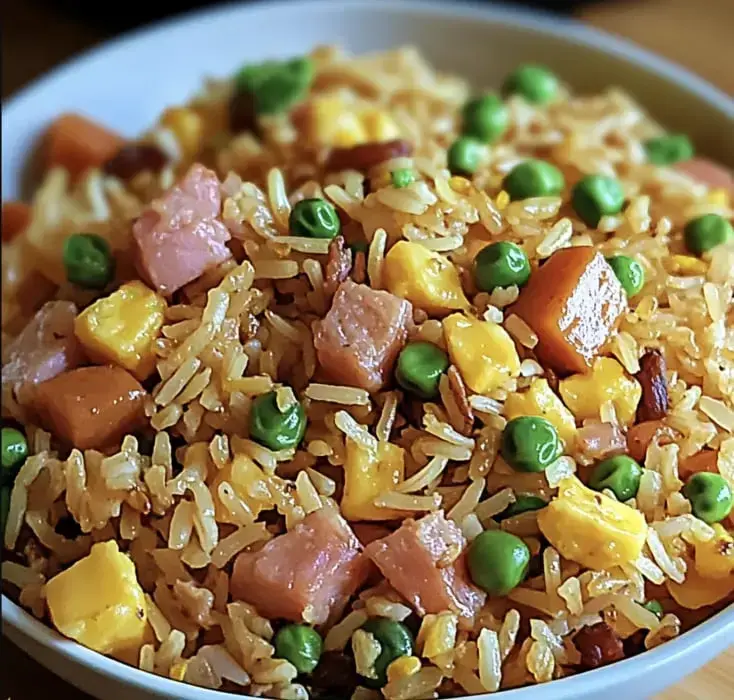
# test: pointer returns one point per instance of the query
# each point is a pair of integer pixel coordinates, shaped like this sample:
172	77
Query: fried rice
169	495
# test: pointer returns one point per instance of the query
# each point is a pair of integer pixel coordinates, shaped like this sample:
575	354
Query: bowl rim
712	632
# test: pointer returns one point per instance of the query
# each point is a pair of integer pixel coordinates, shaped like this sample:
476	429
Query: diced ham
46	347
307	574
91	407
424	561
360	338
180	236
708	172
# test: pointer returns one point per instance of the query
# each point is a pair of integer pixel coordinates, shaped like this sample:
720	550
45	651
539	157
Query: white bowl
126	83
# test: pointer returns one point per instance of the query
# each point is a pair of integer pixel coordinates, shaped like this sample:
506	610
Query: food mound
346	381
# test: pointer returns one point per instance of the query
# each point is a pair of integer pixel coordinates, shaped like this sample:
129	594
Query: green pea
706	232
595	196
485	118
535	83
629	272
498	561
655	608
299	644
314	218
276	85
88	260
395	641
533	178
524	502
402	177
710	496
274	428
530	444
419	369
620	474
668	149
4	508
501	264
465	155
14	448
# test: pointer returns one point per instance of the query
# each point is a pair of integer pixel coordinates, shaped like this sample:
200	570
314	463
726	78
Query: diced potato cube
715	558
540	400
423	277
483	352
584	394
367	474
699	592
248	482
122	328
99	602
591	528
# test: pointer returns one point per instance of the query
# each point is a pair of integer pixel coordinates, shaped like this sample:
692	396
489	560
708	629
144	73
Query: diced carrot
573	302
76	143
704	461
16	216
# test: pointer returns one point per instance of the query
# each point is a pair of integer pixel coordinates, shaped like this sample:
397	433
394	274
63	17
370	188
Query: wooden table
695	34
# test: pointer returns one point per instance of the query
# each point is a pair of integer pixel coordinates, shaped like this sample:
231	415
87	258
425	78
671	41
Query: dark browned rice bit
242	112
598	645
367	155
135	158
359	270
654	403
458	392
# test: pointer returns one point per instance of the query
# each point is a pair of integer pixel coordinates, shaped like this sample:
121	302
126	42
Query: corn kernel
502	200
540	400
591	528
698	592
123	327
483	352
99	602
460	184
715	558
585	394
367	474
425	278
685	265
379	125
718	197
188	128
332	122
403	667
178	669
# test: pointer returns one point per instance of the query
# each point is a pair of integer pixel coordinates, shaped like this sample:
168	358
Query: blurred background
38	34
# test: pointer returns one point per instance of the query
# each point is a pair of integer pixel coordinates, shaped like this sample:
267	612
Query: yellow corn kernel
334	123
423	277
367	474
715	558
246	479
699	592
379	125
403	667
460	184
123	327
188	128
719	197
483	352
503	199
540	400
685	265
584	394
592	529
178	669
98	601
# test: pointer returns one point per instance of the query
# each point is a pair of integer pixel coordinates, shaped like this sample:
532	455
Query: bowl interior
126	83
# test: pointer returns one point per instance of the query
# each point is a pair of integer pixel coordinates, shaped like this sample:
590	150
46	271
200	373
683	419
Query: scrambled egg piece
99	602
367	474
333	121
483	352
122	328
698	592
715	558
540	400
403	667
584	394
592	529
423	277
